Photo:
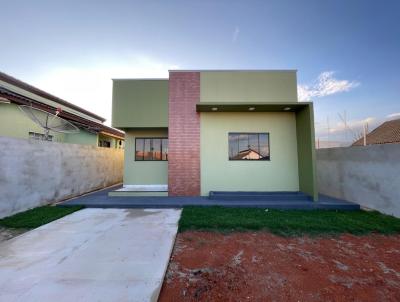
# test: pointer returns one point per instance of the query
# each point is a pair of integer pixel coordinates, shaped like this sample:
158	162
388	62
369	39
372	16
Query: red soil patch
263	267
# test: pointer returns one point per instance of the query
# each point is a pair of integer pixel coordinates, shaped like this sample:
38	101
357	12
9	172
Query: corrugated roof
77	120
387	133
13	81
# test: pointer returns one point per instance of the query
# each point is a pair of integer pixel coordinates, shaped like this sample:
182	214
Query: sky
346	53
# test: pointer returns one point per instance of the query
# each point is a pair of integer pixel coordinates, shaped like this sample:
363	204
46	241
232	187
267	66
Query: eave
251	107
79	121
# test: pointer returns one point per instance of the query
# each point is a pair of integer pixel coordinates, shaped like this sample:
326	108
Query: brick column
183	134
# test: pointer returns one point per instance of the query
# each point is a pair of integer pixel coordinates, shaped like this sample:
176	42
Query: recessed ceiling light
252	108
214	109
287	108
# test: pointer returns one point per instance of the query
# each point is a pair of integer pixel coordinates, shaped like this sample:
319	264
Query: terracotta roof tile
387	133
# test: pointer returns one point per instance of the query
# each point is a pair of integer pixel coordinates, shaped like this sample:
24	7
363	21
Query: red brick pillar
183	134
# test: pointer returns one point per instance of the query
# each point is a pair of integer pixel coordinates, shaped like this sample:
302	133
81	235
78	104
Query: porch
266	200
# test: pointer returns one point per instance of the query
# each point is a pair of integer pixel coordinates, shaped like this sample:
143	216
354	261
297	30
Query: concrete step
258	196
245	204
257	192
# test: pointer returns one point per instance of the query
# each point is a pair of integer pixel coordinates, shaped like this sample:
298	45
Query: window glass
156	148
40	136
264	144
147	153
248	146
139	149
164	149
151	149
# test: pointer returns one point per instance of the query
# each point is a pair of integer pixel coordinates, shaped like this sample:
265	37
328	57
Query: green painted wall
306	151
248	86
218	173
14	123
82	138
143	172
140	104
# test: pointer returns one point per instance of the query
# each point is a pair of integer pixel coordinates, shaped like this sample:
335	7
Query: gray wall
367	175
34	173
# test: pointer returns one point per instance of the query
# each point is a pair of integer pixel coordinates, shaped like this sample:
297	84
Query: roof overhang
75	119
251	107
121	136
12	83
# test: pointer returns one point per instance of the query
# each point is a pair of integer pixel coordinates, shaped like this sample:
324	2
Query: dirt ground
260	266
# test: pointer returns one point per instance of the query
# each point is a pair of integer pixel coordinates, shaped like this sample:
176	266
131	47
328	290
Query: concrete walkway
91	255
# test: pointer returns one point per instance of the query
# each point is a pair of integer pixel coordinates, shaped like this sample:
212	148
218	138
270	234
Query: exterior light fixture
214	109
4	100
287	108
252	108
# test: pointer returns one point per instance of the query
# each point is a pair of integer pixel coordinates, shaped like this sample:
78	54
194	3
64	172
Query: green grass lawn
287	223
36	217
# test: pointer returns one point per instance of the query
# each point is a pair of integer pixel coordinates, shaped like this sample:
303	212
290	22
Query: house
215	130
387	133
14	123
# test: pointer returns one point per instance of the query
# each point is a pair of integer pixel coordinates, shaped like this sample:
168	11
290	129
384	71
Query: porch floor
100	199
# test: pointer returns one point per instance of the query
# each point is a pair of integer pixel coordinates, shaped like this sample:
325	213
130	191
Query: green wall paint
143	172
218	173
82	138
14	123
140	104
306	151
248	86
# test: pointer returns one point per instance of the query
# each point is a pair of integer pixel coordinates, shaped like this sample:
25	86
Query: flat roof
205	70
232	70
140	79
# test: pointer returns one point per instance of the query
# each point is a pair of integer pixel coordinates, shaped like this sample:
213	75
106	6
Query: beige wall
248	86
278	174
143	172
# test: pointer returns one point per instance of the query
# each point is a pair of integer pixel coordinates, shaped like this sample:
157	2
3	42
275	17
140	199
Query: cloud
393	115
325	85
235	34
350	132
354	125
90	86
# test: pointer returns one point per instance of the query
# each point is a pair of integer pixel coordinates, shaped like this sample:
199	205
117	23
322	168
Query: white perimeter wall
367	175
34	173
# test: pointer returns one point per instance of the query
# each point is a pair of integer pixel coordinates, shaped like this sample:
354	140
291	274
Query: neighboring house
214	130
14	123
248	154
387	133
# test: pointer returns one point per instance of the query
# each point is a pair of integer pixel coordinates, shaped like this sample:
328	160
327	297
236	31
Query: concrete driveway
90	255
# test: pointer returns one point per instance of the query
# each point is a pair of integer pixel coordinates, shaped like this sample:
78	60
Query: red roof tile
387	133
